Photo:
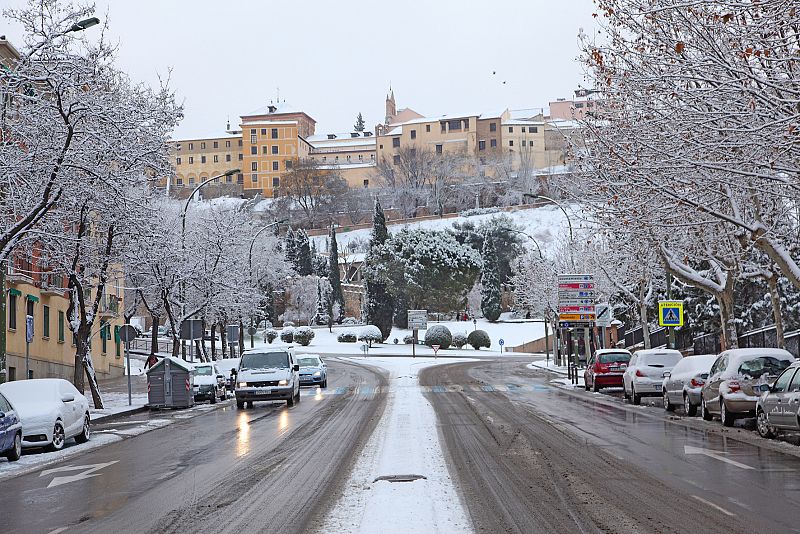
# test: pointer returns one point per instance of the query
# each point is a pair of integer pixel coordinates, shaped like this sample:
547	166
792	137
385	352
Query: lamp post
569	221
83	24
253	242
538	247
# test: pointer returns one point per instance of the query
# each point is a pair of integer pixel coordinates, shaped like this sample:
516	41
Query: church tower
391	107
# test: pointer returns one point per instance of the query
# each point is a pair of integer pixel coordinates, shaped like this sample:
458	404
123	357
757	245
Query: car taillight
697	383
600	368
640	373
733	385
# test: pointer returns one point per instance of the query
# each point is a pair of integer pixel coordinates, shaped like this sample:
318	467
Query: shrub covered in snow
370	334
478	339
350	321
288	323
303	335
287	334
438	334
346	337
477	211
408	339
459	339
271	335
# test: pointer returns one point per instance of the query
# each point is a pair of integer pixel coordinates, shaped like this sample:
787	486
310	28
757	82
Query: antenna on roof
229	124
278	99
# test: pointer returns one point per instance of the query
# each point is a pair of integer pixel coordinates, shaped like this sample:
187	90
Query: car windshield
265	360
660	360
204	370
308	362
614	357
763	365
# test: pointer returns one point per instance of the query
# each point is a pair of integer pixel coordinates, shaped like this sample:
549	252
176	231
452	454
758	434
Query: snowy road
530	457
225	470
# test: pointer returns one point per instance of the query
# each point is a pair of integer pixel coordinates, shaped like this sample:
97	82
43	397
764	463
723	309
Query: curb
119	415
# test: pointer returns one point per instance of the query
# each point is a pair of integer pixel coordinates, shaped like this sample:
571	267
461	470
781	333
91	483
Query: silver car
778	408
313	370
683	383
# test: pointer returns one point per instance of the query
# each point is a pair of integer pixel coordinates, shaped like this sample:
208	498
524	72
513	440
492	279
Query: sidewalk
559	370
114	392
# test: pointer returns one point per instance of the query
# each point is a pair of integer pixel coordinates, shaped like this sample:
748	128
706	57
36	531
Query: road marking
687	449
89	472
712	505
57	530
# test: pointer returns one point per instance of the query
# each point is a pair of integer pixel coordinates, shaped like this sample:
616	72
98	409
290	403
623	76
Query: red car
605	369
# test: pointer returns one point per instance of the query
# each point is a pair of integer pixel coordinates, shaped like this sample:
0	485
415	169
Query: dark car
605	369
10	431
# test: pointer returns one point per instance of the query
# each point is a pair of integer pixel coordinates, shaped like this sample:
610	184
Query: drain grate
400	478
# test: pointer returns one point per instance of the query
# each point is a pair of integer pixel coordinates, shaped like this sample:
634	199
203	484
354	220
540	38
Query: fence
658	338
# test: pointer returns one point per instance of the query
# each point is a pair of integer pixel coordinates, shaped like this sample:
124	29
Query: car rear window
763	365
308	362
614	357
660	360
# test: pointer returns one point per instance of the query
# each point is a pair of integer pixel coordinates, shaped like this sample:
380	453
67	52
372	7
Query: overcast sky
333	59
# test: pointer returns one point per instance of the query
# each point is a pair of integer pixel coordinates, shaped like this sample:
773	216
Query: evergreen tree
359	126
336	283
303	254
379	304
490	282
319	263
290	248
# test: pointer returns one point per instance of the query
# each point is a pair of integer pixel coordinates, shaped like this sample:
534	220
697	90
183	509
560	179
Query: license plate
657	387
613	368
263	391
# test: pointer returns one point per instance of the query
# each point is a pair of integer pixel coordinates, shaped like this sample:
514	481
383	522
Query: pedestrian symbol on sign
670	313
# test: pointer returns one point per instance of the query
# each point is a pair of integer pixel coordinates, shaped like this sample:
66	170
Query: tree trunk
643	317
154	335
213	343
728	336
200	350
223	337
84	366
775	297
241	337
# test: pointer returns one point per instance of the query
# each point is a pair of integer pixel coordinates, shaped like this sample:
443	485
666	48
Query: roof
259	120
523	122
749	353
186	366
210	137
351	165
280	107
333	143
339	136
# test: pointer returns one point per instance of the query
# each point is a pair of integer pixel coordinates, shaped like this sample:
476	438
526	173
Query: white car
682	386
645	373
209	383
51	411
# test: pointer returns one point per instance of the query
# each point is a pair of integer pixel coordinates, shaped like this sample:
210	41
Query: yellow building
52	349
197	160
352	154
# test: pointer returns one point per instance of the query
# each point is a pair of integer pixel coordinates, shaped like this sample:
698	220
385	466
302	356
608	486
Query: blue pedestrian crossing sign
670	313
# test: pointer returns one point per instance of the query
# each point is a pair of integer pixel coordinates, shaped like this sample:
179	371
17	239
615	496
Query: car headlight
318	373
242	384
283	382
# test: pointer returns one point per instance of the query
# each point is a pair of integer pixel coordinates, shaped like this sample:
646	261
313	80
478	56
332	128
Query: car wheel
668	406
707	416
224	395
637	399
725	416
762	425
59	437
625	392
595	387
83	437
297	400
16	450
240	404
214	396
249	404
324	383
688	408
290	400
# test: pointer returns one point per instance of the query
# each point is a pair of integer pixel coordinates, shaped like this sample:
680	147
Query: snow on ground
405	442
115	402
545	224
559	369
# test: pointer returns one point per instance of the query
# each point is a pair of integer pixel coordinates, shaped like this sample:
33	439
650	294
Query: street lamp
253	242
83	24
196	189
538	248
557	203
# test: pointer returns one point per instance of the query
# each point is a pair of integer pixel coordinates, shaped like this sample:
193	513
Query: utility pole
670	330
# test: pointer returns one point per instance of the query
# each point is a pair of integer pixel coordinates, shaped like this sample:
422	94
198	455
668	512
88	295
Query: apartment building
352	154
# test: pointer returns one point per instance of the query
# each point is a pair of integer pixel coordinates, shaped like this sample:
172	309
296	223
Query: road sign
127	333
29	328
566	278
232	333
575	324
576	285
251	330
576	309
418	319
192	329
435	349
576	293
576	302
579	317
670	313
603	315
501	341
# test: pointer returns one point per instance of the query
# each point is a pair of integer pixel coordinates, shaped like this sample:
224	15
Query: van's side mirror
666	374
296	367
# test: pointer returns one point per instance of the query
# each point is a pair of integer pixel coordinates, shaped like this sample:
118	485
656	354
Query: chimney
272	108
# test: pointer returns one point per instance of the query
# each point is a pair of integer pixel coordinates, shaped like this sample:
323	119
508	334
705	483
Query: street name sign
575	324
418	319
670	313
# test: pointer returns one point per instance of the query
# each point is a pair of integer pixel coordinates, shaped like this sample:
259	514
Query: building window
29	307
240	178
348	158
533	129
366	182
46	321
227	144
229	179
60	326
227	157
523	129
324	159
360	158
12	311
264	150
202	159
191	160
276	182
103	340
428	128
274	149
481	145
396	142
241	156
493	143
191	146
413	152
274	165
240	142
253	150
191	181
396	160
438	149
254	178
253	138
274	133
254	166
413	134
216	145
336	159
523	142
216	158
203	145
578	106
492	126
510	129
179	181
510	142
287	164
177	161
381	147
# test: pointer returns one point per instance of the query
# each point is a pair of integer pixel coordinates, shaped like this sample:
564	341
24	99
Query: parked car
209	383
268	375
778	408
10	431
735	381
313	370
644	376
605	369
51	411
229	367
682	385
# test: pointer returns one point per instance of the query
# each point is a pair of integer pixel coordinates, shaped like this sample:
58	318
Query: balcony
14	277
109	307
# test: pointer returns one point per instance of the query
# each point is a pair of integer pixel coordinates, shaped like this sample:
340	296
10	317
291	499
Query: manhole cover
400	478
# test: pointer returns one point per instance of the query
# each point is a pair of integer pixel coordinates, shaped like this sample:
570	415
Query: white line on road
57	530
712	505
89	471
717	455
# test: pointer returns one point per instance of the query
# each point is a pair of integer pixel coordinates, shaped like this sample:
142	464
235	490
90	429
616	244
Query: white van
268	374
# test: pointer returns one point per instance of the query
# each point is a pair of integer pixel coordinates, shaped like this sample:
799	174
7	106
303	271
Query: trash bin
170	384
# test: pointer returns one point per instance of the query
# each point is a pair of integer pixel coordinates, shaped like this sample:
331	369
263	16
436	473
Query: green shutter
32	298
15	292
